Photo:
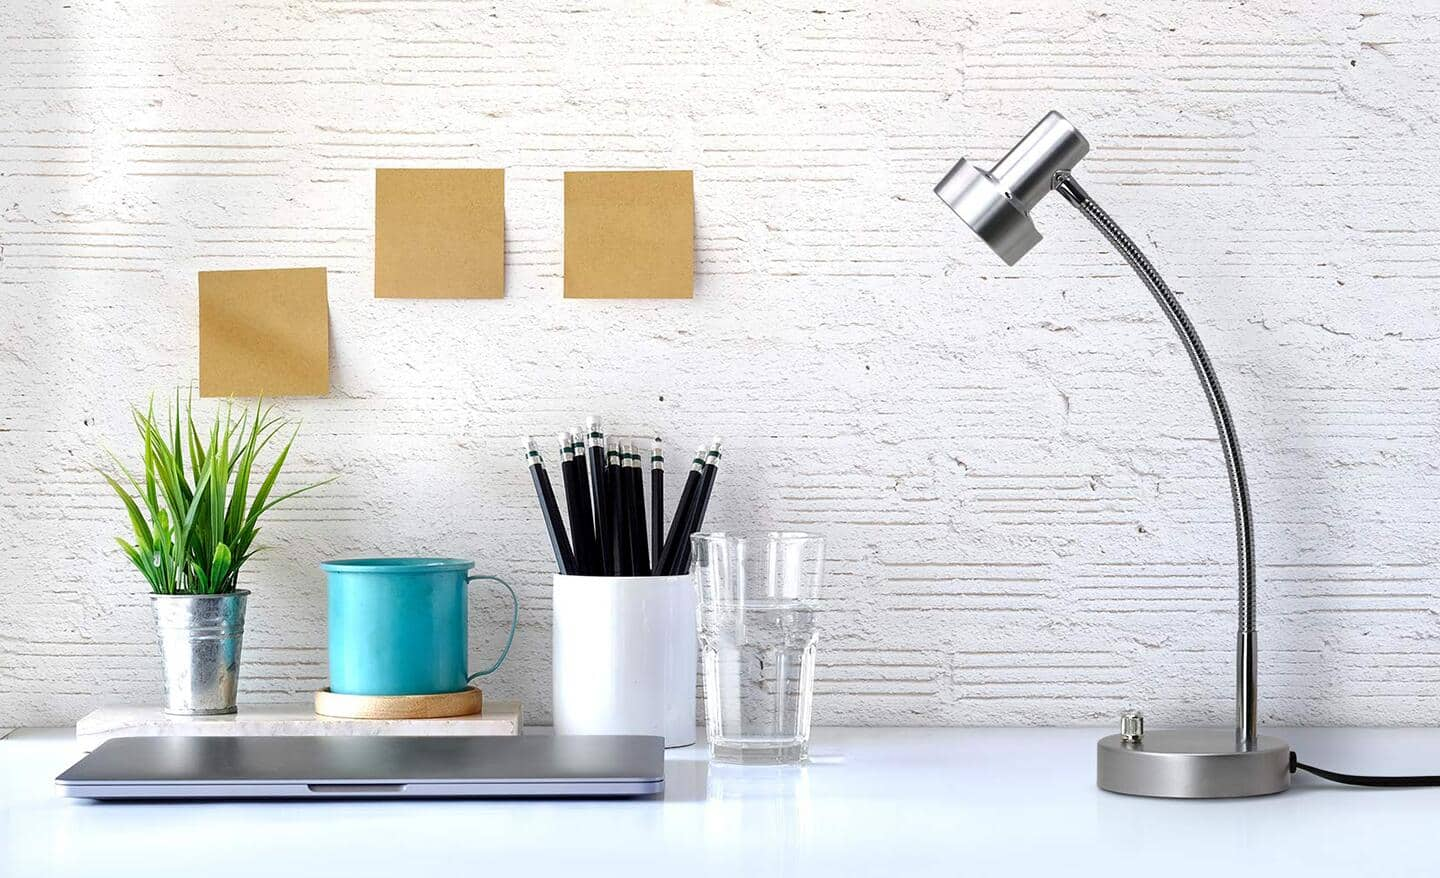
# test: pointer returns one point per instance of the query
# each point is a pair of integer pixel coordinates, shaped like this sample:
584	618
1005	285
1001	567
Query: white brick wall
1016	469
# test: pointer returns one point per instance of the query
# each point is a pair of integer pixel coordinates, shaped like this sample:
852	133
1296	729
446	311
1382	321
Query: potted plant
195	510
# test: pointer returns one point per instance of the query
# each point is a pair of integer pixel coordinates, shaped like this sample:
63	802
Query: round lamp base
1192	764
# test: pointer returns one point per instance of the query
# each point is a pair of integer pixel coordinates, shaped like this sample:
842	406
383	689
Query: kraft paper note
629	234
264	332
439	233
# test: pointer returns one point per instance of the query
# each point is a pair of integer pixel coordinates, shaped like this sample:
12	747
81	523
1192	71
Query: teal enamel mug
400	626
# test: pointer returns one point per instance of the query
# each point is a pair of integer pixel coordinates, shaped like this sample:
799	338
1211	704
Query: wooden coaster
463	703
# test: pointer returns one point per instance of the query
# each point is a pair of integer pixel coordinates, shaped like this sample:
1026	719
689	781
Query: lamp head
996	204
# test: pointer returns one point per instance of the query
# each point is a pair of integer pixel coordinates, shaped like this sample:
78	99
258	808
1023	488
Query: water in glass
757	610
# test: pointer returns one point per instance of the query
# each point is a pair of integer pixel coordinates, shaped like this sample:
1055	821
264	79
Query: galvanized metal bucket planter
200	650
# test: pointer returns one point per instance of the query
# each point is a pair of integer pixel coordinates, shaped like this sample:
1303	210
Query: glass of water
757	599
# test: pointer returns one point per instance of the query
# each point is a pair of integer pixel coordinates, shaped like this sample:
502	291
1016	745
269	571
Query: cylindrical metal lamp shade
996	204
976	197
1028	171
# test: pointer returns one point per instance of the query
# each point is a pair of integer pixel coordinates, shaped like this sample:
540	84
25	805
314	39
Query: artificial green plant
193	513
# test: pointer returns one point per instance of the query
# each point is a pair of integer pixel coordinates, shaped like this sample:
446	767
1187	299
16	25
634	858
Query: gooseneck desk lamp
1194	763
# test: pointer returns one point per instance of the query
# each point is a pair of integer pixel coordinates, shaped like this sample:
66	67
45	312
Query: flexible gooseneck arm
1246	670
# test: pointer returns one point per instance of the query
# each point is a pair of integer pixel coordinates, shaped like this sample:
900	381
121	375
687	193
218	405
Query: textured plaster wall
1028	514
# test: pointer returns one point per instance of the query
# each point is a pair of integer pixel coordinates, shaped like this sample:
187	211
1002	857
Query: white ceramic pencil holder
624	656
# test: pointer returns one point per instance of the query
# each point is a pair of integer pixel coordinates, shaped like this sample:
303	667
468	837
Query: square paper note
439	233
629	234
264	332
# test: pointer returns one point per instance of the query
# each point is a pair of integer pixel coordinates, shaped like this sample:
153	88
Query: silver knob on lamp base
1132	726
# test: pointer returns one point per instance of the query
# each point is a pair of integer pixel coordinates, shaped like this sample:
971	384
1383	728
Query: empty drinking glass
757	599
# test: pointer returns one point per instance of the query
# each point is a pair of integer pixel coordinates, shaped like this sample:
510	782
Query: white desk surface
872	802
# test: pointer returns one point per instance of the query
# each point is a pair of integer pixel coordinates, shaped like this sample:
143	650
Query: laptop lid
370	767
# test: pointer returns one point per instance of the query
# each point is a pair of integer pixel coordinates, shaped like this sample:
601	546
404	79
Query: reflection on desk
872	801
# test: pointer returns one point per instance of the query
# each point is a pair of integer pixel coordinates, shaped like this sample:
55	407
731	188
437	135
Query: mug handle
514	622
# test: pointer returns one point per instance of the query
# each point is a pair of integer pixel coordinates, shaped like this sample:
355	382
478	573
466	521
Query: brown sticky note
264	332
629	234
439	233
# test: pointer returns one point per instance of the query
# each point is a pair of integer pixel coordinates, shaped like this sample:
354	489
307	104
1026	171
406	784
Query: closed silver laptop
368	767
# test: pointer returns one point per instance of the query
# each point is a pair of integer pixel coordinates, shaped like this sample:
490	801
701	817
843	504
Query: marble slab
497	718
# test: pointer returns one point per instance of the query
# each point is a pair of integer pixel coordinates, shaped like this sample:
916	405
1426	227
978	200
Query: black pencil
577	446
615	488
627	508
583	481
682	514
599	499
700	504
657	504
639	543
569	466
586	527
549	510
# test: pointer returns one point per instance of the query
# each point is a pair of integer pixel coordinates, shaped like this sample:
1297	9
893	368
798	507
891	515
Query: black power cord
1366	780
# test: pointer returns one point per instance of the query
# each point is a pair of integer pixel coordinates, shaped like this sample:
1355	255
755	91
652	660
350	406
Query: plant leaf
146	568
137	521
200	580
220	567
